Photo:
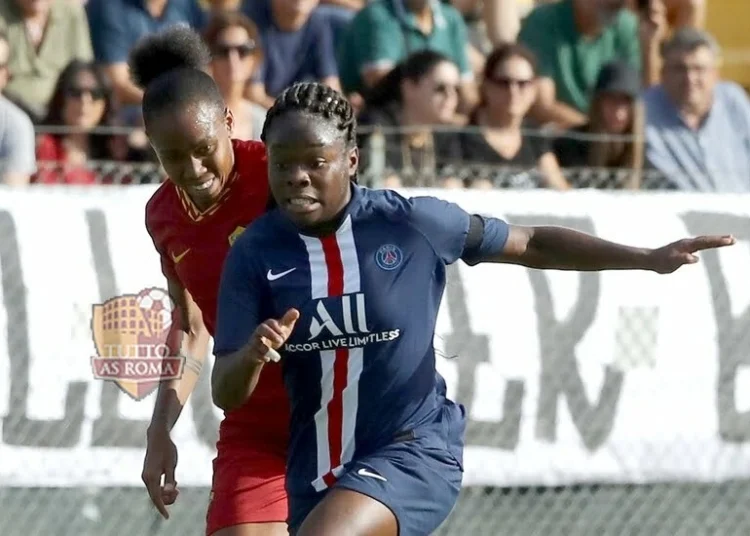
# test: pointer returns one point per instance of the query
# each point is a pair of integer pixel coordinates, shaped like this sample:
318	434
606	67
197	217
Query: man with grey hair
17	150
698	127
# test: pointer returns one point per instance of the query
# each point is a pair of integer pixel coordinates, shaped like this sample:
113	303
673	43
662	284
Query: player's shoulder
262	234
161	205
396	207
250	150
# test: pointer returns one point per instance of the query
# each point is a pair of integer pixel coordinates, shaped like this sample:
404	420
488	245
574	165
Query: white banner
616	377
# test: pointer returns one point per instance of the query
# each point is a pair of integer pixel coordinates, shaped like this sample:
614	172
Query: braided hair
317	100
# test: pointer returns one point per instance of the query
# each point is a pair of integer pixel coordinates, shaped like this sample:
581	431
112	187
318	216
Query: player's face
309	169
194	146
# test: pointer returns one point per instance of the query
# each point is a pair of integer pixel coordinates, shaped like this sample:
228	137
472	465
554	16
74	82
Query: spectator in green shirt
44	37
572	40
385	32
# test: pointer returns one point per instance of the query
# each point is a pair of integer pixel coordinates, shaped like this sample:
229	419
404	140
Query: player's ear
353	161
229	120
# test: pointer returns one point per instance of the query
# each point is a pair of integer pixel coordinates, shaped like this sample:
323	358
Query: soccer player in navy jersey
344	284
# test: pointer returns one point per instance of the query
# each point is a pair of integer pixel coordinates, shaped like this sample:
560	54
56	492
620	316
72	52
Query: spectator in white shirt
17	157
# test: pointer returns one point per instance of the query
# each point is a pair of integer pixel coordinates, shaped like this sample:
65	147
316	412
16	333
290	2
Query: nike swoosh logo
273	277
178	258
365	472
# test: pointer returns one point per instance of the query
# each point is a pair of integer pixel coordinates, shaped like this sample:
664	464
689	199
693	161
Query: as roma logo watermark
131	337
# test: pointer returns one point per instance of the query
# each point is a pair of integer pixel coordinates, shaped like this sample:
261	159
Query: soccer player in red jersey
217	187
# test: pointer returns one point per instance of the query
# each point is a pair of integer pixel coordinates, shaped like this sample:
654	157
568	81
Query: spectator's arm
111	47
19	153
380	44
326	67
256	92
547	109
551	172
127	92
652	30
502	20
468	91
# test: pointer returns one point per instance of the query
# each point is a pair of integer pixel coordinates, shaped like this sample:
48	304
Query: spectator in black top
498	153
419	93
607	152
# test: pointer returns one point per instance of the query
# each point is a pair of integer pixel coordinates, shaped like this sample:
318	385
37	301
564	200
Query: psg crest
389	257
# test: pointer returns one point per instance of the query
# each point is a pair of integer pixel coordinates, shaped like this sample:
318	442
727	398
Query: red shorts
248	487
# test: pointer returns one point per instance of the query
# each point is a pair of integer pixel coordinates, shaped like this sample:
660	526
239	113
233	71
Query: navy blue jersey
360	365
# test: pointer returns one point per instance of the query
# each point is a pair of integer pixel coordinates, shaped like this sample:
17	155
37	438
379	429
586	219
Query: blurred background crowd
556	94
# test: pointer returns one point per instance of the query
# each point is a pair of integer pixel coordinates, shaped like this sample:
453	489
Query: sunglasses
507	82
243	50
78	92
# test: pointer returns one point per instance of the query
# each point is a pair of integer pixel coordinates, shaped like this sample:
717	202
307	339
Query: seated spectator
697	127
386	31
44	36
81	102
297	44
589	154
572	40
17	160
499	154
236	54
419	93
116	25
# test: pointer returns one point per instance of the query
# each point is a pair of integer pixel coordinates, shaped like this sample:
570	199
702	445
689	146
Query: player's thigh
418	480
344	512
254	529
248	495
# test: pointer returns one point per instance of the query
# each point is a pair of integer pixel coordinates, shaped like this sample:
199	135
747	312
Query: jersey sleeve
241	294
444	224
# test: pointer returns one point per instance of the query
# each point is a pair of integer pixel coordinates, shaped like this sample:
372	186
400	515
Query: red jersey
193	245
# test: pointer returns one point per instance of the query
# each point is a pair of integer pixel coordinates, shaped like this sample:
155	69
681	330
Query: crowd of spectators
454	93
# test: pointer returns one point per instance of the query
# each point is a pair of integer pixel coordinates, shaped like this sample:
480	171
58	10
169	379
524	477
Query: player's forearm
234	379
173	394
558	248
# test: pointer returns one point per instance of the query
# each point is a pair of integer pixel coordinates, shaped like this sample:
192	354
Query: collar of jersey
193	212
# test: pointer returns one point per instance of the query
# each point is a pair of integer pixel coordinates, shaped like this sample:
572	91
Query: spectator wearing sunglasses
418	94
497	151
236	56
80	103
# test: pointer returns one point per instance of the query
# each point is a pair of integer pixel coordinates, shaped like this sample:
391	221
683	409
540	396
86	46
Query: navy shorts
418	476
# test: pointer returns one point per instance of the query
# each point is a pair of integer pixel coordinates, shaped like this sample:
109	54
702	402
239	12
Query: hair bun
177	47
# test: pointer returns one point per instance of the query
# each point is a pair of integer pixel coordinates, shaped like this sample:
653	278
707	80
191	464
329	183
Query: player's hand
161	461
669	258
271	335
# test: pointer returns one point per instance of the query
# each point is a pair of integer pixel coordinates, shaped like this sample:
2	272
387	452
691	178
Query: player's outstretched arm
558	248
188	337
